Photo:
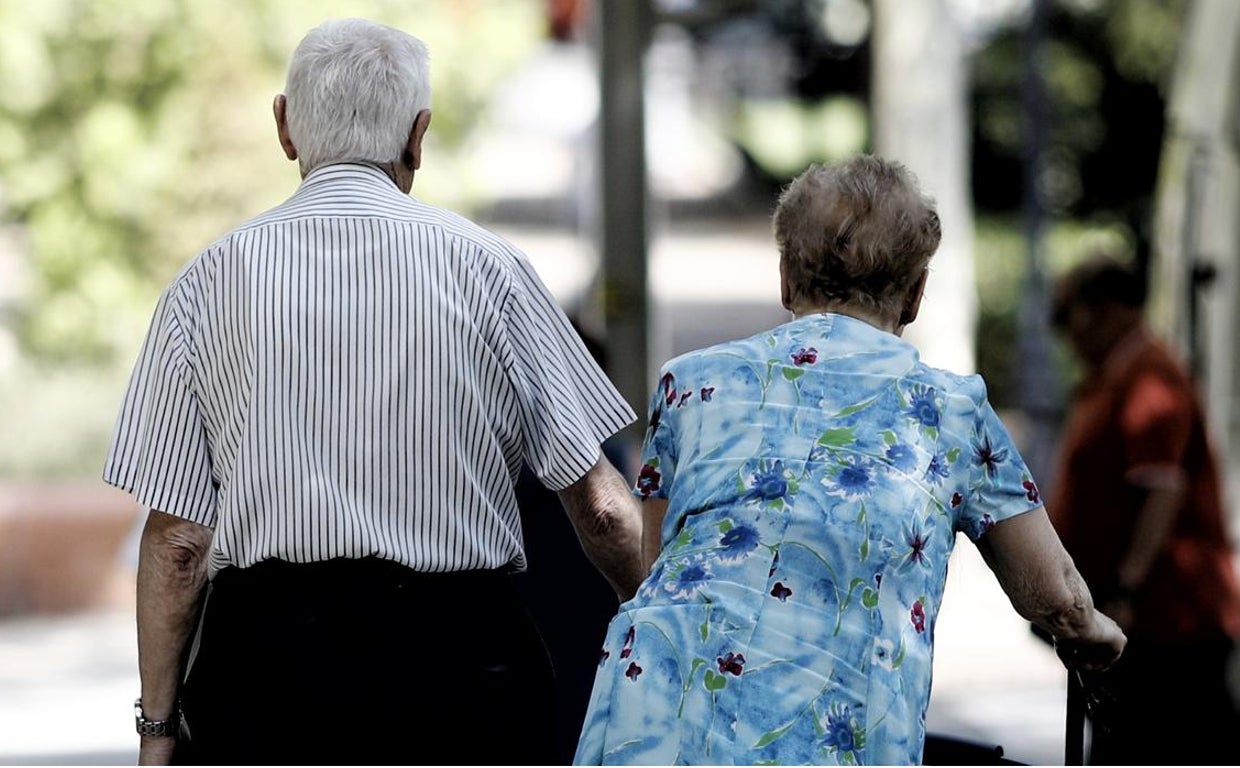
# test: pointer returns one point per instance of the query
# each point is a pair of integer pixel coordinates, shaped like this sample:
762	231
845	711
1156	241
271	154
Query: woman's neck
865	315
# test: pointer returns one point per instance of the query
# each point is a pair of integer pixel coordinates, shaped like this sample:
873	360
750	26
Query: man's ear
912	303
279	107
413	150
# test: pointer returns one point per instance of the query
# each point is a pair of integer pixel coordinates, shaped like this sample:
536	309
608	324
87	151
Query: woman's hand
1095	649
1045	587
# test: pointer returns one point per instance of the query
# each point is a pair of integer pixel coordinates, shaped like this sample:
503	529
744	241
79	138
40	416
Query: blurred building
1195	278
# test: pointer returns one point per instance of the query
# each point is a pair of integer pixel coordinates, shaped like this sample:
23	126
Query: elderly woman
802	491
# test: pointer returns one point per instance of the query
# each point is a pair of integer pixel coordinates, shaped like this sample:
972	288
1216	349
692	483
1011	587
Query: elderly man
326	420
1139	508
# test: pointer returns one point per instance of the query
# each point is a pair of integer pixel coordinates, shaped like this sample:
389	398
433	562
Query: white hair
353	91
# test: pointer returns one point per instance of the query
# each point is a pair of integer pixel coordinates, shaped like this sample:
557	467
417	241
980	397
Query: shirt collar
876	338
336	173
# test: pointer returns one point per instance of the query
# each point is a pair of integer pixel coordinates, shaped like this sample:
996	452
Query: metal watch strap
155	727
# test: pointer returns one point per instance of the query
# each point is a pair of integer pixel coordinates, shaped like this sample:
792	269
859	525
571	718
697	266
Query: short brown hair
859	231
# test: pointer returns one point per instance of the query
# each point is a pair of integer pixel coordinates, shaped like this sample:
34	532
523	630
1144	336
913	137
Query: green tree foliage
1106	64
134	132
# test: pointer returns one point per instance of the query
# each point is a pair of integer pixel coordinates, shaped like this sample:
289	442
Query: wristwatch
155	727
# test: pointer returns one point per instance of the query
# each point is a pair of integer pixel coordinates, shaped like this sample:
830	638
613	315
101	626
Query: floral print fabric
816	476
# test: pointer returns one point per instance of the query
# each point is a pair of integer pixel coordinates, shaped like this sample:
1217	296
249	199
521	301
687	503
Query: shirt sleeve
569	407
1000	485
160	451
658	469
1157	422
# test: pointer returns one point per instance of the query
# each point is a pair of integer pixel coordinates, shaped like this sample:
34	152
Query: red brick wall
61	547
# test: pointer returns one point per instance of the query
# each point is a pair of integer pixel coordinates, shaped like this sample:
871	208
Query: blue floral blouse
816	476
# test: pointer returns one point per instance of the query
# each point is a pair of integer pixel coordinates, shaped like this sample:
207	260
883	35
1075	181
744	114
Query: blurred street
68	682
68	687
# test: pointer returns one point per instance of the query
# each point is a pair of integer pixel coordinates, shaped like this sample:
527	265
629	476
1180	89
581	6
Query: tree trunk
920	119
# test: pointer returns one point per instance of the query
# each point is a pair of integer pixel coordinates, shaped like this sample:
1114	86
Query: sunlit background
134	132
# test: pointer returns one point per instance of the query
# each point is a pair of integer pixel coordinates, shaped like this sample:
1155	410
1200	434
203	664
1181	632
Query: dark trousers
366	662
1167	704
560	575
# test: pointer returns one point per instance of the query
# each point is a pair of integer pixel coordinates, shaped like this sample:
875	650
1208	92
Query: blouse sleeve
658	469
568	405
160	451
1000	485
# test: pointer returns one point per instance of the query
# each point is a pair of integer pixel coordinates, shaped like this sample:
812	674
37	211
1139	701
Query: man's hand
156	750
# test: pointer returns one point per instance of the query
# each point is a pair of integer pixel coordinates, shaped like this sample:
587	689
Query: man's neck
401	176
1128	340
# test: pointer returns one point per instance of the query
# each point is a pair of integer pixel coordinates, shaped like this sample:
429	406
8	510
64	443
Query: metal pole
1074	725
622	31
1201	273
1039	386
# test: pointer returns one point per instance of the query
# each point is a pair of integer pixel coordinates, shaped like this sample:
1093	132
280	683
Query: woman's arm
1044	586
653	511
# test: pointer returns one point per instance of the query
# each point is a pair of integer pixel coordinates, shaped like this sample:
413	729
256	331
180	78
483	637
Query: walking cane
1074	733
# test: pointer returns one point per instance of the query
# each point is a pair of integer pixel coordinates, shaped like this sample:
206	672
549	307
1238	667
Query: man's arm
608	522
1044	586
1156	424
172	573
1153	527
1164	497
1154	523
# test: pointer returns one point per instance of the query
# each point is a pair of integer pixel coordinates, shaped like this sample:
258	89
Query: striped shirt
355	373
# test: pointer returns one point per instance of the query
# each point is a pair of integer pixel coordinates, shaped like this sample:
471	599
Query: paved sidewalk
66	689
993	680
66	683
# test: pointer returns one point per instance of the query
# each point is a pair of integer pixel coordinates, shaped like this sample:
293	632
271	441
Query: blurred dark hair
1101	280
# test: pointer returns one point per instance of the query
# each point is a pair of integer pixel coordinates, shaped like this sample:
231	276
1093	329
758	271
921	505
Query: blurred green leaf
135	132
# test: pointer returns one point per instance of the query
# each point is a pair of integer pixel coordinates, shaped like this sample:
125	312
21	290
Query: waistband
348	573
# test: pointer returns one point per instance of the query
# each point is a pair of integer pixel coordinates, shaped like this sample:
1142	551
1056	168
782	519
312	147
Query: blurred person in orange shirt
1138	506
